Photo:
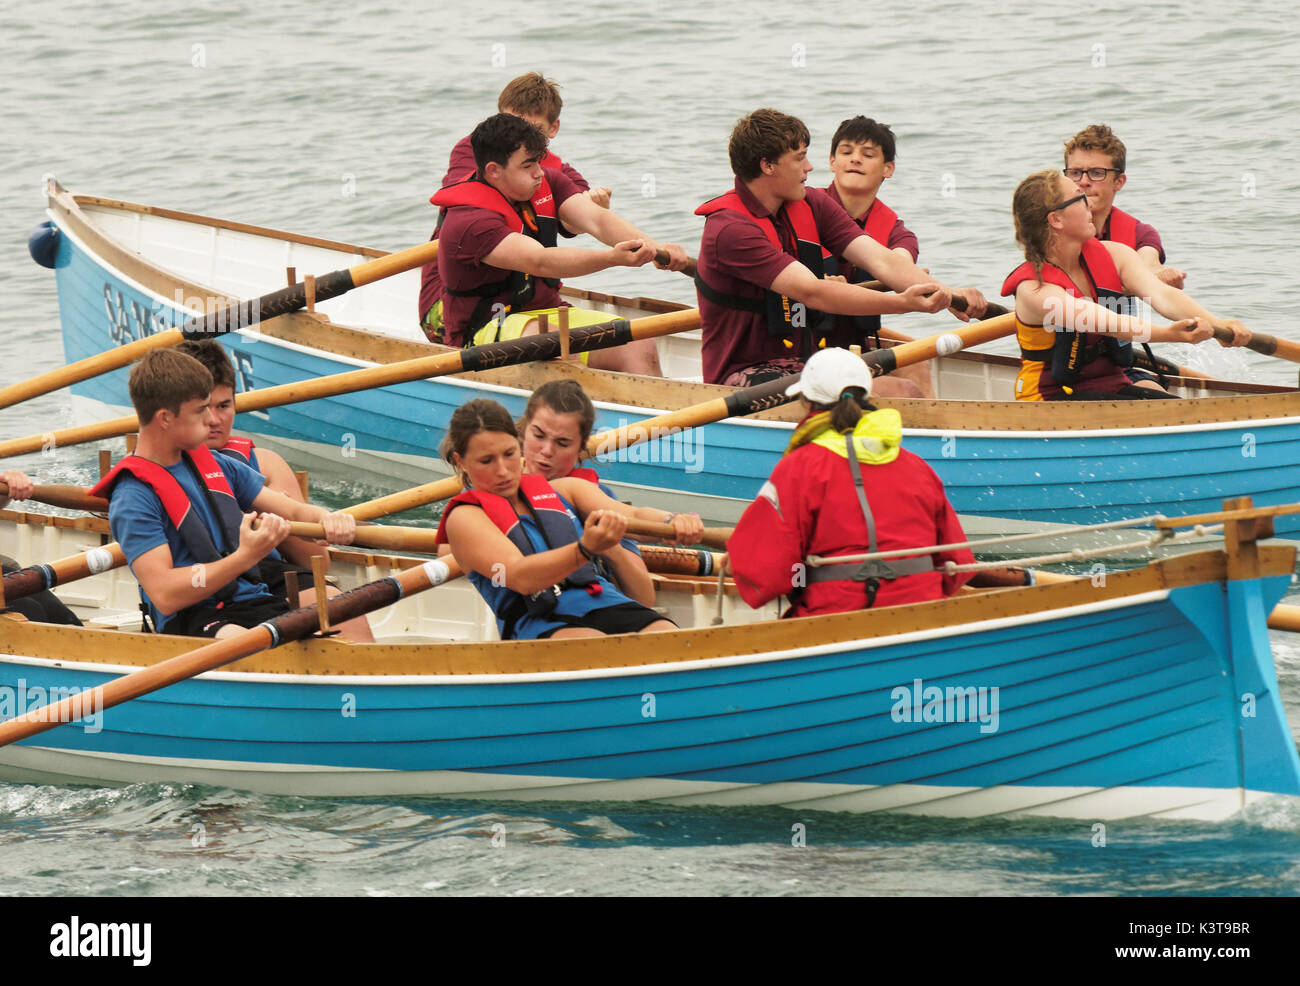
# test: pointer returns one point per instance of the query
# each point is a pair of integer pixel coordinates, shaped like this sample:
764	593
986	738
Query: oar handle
1265	345
993	310
714	537
691	263
392	538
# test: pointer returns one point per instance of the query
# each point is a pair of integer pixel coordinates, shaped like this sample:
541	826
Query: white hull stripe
42	765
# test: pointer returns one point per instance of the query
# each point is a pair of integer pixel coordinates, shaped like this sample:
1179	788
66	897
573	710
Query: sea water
335	120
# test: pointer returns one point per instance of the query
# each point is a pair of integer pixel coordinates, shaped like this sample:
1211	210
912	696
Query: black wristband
582	550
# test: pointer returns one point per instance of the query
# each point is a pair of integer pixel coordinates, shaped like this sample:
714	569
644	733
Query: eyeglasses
1081	197
1096	174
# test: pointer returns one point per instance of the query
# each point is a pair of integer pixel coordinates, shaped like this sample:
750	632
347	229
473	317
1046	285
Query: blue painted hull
1061	477
1133	708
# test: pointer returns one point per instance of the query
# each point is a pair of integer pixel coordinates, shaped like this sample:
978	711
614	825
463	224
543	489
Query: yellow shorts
512	327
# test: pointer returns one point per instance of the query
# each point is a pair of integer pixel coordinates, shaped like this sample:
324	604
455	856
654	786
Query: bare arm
523	253
172	589
1143	282
583	215
798	282
480	546
633	577
280	477
587	497
1055	309
897	269
339	528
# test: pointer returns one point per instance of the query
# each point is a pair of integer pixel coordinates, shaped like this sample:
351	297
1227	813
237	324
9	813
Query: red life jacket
548	510
538	220
191	528
557	529
585	472
1122	228
240	448
804	329
1081	356
878	224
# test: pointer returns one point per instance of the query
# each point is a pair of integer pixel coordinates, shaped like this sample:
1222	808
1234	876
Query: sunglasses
1081	197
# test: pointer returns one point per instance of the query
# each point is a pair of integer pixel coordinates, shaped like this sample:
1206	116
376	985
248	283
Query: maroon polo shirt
468	235
460	166
737	258
899	235
1145	235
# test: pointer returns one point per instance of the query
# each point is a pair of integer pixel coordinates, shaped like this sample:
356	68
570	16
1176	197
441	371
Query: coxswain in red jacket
820	501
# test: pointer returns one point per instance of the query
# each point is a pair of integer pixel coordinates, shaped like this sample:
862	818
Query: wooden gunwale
1251	401
71	645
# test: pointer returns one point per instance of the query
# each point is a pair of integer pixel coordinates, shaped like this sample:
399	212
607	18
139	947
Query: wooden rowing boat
126	270
1081	699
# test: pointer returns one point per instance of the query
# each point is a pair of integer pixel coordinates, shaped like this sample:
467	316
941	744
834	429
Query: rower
1073	343
530	97
765	306
293	554
554	430
861	159
182	516
528	545
498	259
824	500
1095	160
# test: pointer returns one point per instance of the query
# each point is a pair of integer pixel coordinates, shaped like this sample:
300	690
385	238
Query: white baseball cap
828	374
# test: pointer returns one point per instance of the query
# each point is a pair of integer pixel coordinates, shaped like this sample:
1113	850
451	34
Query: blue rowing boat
1151	692
125	271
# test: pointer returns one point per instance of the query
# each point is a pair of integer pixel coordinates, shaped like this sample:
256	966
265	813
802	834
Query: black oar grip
546	345
302	623
760	397
248	313
881	361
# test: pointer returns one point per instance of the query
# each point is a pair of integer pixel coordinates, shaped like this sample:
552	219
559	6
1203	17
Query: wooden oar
392	538
388	537
958	302
294	625
60	495
231	318
1266	345
740	402
37	578
942	344
526	349
714	537
680	561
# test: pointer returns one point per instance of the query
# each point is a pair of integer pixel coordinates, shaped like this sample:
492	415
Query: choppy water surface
335	119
